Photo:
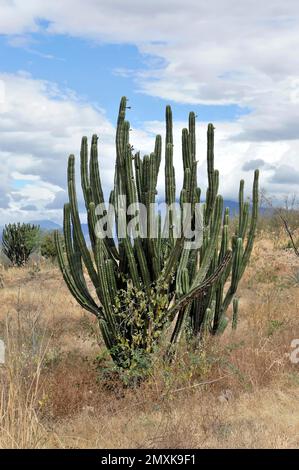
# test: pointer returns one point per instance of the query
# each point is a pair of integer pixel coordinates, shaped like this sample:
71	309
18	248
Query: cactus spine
143	283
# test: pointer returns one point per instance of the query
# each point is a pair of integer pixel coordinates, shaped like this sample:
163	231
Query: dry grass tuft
239	390
20	426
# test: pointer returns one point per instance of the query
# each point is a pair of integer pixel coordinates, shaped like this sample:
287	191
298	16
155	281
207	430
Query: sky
65	65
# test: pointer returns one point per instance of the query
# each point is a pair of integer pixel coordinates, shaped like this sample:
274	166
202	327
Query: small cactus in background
143	283
19	241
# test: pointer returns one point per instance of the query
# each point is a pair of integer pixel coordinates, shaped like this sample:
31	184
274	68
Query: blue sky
64	67
97	73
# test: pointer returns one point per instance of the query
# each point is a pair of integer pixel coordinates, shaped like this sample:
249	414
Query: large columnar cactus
144	281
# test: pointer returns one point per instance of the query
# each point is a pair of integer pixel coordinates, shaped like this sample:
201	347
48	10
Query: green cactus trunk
145	284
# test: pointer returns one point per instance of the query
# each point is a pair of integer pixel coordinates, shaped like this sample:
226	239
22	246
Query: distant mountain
49	225
46	224
234	208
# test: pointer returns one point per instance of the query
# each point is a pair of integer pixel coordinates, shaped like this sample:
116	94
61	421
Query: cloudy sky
65	64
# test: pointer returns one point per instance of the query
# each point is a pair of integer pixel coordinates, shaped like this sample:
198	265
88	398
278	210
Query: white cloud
230	158
221	52
39	128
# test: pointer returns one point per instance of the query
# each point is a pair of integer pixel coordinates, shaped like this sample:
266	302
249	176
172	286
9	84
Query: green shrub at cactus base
19	241
146	286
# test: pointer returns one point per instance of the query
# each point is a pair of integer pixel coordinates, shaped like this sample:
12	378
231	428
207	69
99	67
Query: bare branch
287	229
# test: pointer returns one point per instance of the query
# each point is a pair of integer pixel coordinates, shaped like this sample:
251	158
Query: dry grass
20	382
240	390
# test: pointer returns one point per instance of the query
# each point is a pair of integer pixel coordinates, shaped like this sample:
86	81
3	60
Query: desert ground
239	390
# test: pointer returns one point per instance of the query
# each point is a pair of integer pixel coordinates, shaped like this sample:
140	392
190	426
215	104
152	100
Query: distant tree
48	248
19	241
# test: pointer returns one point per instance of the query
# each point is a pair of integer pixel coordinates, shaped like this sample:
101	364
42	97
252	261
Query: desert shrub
48	248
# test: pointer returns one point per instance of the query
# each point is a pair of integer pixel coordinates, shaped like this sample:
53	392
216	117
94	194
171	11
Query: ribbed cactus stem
192	136
95	180
143	283
235	313
186	154
211	191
